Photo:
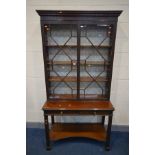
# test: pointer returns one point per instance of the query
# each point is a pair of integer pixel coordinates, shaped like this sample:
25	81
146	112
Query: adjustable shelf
63	96
82	46
50	62
74	79
82	96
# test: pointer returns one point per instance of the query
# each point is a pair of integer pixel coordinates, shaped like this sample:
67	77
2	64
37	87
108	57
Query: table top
78	105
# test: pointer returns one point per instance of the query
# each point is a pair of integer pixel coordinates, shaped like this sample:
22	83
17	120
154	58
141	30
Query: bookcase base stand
95	131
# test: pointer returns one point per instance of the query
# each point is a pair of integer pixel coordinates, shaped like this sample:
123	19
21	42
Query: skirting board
122	128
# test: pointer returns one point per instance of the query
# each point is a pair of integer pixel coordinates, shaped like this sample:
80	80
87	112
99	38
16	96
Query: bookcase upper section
78	51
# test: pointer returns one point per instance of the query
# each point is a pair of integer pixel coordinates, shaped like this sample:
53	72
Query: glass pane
94	61
61	47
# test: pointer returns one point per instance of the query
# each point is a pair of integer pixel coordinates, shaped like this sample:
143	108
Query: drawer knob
74	63
61	112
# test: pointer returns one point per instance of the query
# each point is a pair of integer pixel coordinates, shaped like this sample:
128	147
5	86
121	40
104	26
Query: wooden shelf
82	46
67	79
88	130
94	63
74	96
74	79
59	62
92	96
75	88
63	96
81	62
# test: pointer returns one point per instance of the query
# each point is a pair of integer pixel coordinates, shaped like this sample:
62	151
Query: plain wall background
35	74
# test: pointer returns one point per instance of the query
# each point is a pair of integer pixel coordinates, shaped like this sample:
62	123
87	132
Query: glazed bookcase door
61	55
95	50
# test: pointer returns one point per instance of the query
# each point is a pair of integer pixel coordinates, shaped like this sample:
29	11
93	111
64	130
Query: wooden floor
89	130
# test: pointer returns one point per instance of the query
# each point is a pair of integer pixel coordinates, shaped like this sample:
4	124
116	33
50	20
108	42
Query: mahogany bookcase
78	52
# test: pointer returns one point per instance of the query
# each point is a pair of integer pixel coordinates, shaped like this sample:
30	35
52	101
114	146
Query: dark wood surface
88	130
78	105
88	13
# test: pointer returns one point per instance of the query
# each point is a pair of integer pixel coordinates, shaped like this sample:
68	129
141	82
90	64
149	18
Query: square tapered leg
107	143
103	120
46	123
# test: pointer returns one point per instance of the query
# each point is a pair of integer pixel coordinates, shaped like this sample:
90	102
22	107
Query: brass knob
74	63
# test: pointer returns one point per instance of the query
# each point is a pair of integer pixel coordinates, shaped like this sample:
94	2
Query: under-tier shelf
88	130
74	79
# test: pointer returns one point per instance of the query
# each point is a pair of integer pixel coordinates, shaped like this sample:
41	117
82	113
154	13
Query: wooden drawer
76	112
